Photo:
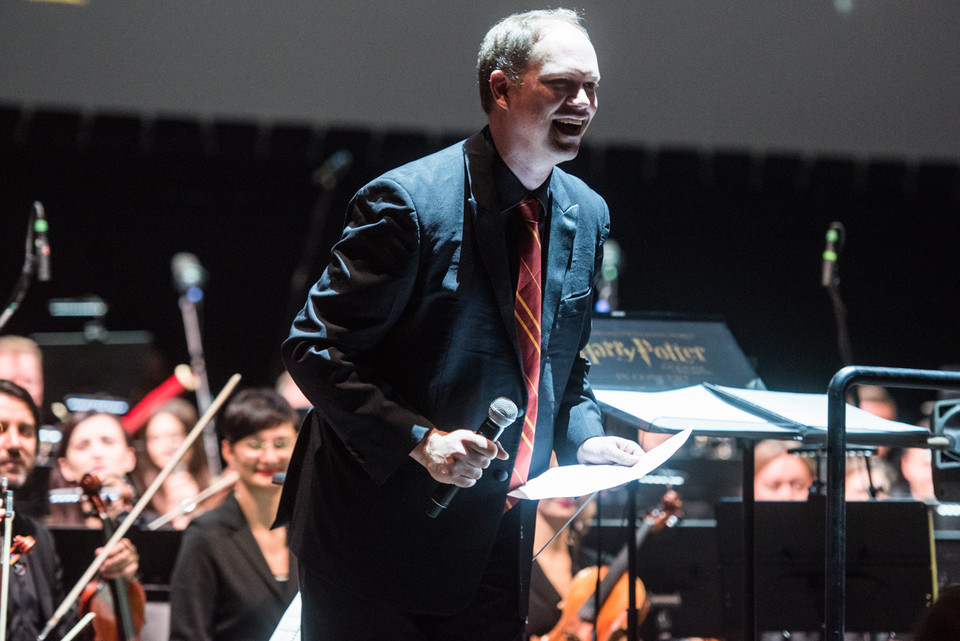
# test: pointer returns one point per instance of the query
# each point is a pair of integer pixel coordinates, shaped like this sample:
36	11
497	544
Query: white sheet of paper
697	407
288	629
578	480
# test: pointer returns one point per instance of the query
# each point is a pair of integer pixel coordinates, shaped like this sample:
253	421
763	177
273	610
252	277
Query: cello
119	609
579	614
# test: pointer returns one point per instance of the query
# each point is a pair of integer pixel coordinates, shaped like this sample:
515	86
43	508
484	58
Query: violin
579	614
118	608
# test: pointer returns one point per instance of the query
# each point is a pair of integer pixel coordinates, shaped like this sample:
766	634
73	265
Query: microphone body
41	242
502	413
829	276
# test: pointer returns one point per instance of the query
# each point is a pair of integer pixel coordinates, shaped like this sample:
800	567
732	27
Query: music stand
750	415
656	351
116	363
77	547
680	570
834	583
889	574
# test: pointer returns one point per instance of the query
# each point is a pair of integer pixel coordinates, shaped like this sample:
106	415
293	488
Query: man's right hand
457	457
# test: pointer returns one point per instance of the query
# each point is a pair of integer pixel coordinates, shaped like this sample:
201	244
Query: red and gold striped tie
526	312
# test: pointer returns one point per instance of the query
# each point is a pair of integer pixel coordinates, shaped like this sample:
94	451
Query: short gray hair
508	44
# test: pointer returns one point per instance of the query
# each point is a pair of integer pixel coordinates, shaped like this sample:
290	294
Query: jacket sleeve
348	313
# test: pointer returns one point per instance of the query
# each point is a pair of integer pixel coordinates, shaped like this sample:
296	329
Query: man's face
18	440
551	108
23	369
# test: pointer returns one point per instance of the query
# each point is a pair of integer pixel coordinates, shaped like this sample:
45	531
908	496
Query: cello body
99	597
612	618
579	614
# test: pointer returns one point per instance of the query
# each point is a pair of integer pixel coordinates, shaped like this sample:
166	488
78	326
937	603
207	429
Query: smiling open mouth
568	126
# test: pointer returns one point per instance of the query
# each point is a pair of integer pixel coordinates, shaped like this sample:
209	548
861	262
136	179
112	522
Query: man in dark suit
34	581
415	327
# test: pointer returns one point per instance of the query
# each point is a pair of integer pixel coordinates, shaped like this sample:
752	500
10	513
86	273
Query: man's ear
500	85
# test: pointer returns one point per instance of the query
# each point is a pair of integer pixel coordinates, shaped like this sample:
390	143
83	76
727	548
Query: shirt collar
510	191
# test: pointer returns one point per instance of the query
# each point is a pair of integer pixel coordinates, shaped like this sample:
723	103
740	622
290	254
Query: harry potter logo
648	352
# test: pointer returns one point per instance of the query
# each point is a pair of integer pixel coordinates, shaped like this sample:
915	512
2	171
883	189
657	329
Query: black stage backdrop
722	232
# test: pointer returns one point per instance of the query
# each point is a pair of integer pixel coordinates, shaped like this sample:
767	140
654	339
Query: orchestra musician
94	443
235	576
462	277
559	558
157	441
35	588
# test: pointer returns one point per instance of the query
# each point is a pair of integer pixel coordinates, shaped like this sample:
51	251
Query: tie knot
530	210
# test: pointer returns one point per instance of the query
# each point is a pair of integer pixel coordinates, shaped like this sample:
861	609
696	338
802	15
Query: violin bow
188	505
140	506
7	540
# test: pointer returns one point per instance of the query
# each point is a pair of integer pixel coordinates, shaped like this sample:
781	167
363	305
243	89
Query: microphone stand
830	279
633	614
326	177
26	274
7	540
191	326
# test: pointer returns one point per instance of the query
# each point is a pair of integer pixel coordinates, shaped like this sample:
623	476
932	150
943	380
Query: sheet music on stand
289	627
750	413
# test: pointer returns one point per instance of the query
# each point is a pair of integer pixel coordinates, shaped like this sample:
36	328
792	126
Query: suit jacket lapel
242	537
563	228
490	232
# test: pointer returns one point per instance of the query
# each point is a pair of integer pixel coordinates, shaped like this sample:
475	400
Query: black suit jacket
221	586
44	569
410	327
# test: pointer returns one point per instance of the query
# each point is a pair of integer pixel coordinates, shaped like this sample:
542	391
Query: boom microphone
835	238
502	413
41	243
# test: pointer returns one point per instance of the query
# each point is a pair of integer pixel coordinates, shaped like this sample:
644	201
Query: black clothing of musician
35	586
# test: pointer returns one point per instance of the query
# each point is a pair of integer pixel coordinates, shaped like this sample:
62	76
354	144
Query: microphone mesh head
502	411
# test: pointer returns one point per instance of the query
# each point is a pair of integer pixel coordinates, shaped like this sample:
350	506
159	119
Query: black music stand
656	351
680	570
158	549
115	363
890	578
836	515
750	415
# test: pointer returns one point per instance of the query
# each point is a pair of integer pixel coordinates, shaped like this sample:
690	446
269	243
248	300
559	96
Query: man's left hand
609	450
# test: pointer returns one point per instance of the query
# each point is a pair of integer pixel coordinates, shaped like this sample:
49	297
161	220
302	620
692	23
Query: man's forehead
569	50
14	410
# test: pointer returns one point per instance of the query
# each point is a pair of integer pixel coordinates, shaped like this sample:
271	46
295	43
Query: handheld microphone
188	273
41	243
502	413
835	237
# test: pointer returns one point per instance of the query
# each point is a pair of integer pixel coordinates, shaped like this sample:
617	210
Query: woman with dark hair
235	576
